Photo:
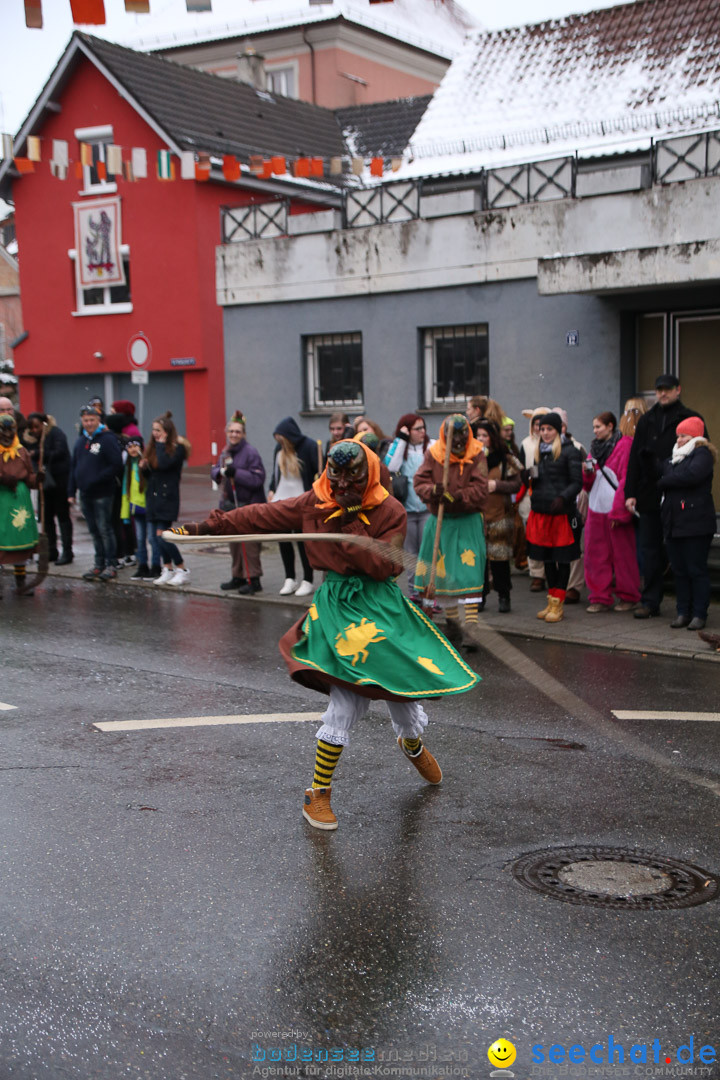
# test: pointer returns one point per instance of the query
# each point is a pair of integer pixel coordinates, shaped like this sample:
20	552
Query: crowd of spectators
606	522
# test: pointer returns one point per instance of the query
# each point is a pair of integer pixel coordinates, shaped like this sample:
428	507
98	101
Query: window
98	138
455	361
105	299
334	370
281	80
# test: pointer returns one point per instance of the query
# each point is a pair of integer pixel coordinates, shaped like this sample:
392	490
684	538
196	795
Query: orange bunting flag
24	165
128	171
88	12
101	171
301	167
33	14
137	7
231	167
278	165
376	166
202	170
78	170
267	169
317	166
86	153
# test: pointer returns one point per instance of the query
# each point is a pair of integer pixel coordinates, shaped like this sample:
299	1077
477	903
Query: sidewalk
209	565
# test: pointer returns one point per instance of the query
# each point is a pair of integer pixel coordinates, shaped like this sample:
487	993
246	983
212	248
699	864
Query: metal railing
685	157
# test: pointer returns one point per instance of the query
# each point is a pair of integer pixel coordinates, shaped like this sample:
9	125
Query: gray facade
530	361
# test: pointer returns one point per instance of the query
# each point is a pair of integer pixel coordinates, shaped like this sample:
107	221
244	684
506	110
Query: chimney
250	68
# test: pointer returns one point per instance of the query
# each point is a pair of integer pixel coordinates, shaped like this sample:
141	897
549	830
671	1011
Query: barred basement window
455	363
333	370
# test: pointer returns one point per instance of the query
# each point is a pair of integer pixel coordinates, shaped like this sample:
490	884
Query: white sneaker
180	577
305	588
166	573
289	586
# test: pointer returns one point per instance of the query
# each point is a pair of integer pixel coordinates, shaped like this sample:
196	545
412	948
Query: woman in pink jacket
610	550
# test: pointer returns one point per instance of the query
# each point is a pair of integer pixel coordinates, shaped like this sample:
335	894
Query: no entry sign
139	351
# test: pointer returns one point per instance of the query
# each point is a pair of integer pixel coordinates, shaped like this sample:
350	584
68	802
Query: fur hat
692	426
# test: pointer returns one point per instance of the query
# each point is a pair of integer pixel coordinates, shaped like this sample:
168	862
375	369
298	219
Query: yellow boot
547	609
556	609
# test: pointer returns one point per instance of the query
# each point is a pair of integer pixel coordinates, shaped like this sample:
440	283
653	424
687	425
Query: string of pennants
92	12
192	166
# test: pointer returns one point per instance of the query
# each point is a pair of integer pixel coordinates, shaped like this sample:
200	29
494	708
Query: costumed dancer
361	640
460	560
18	528
556	480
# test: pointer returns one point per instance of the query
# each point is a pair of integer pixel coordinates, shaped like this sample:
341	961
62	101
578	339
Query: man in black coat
95	465
653	444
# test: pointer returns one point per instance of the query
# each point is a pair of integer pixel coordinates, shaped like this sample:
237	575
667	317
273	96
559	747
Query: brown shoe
625	605
572	596
425	764
537	584
317	809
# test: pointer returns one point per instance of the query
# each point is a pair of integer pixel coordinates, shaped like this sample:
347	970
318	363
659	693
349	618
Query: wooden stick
430	590
389	552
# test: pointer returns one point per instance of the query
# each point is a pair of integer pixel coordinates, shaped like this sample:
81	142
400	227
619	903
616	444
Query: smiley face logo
502	1053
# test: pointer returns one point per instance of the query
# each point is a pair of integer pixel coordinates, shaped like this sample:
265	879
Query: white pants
408	718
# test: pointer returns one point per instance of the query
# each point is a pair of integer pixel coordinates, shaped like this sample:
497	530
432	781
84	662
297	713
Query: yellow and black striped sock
452	612
412	746
326	758
20	574
471	613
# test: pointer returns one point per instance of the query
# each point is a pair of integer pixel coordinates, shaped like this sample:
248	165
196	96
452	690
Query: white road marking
658	714
3	706
206	721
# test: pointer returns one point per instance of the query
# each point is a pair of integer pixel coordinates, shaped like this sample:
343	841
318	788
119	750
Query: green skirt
460	568
366	633
18	527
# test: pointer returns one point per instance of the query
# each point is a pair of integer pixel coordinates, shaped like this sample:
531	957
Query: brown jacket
499	504
387	522
469	489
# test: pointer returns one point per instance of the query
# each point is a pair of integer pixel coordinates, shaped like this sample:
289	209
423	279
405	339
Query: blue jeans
162	551
98	516
689	561
141	530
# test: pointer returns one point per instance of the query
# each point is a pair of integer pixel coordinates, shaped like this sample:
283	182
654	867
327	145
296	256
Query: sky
27	57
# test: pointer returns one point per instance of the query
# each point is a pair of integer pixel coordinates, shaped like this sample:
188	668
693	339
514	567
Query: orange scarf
9	453
473	448
375	493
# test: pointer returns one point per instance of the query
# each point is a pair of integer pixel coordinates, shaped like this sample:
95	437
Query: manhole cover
615	877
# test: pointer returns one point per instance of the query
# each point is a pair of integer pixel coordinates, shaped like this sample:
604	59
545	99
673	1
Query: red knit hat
125	407
693	427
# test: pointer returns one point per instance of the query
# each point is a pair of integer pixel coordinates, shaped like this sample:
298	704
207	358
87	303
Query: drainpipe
312	64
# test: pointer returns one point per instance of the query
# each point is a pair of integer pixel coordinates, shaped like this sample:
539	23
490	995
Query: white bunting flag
139	162
187	165
113	159
60	152
7	146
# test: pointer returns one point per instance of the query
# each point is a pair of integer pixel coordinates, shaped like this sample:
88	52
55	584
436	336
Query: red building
102	97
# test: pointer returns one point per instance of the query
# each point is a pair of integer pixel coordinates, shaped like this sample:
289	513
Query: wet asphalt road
166	913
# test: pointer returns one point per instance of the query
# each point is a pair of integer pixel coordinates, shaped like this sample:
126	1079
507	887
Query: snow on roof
436	26
599	81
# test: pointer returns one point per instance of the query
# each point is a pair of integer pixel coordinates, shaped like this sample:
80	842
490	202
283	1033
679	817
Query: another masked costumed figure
460	567
18	528
361	640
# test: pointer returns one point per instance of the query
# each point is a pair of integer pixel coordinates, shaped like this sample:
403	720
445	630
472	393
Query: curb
531	634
